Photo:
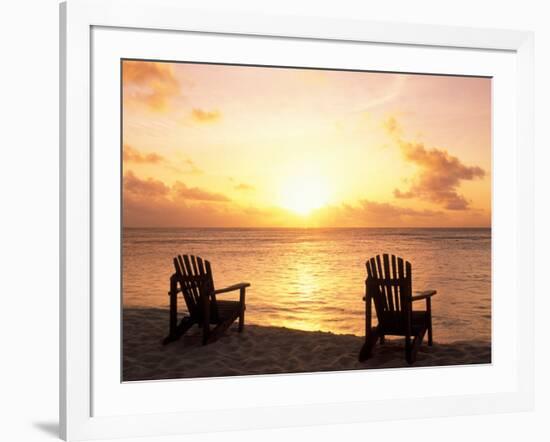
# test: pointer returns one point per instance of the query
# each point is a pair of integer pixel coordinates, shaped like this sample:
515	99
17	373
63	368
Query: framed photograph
313	221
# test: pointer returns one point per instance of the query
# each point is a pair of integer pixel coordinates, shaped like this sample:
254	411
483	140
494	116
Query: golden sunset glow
234	146
293	179
302	194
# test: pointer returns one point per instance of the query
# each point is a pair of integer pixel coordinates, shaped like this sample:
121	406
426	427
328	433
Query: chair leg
243	308
370	342
241	321
429	314
173	332
412	347
217	331
185	324
409	350
205	301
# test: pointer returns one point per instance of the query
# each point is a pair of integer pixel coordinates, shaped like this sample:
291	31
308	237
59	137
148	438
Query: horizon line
305	227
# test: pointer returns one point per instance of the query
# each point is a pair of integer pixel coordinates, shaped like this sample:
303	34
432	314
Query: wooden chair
389	286
193	278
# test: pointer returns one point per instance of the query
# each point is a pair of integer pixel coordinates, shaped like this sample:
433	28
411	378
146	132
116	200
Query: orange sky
237	146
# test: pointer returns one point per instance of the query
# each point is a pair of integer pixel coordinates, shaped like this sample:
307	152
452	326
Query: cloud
192	167
387	211
149	187
131	155
439	173
203	116
152	203
181	190
152	188
244	186
392	126
150	83
369	213
439	176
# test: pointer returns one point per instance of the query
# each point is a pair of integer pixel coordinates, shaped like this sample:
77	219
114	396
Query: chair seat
225	309
393	323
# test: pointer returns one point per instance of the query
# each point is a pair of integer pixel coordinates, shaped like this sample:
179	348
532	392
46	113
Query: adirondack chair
389	287
193	278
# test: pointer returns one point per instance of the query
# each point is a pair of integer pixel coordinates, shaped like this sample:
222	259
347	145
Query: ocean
313	279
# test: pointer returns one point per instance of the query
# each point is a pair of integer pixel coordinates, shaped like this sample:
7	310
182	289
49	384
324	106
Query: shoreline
267	350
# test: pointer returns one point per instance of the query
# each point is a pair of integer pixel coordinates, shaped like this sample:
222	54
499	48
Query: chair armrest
231	288
423	295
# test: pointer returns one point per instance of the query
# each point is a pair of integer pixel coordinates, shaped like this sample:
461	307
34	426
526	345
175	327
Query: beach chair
389	287
193	278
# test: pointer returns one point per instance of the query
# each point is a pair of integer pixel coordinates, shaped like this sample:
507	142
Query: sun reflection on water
313	279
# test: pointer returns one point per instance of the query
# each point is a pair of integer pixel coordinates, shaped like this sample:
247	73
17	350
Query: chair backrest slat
199	265
407	288
184	286
194	263
380	273
195	279
396	287
401	276
191	286
372	287
388	286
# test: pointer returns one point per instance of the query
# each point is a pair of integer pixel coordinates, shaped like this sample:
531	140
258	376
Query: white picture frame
79	378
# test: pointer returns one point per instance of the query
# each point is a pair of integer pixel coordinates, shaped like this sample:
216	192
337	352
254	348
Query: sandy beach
266	350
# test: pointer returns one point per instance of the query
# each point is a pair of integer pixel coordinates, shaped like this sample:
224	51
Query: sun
303	194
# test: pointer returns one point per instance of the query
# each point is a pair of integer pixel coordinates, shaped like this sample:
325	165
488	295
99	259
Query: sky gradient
238	146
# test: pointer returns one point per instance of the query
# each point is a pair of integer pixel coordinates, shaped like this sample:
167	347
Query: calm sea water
313	279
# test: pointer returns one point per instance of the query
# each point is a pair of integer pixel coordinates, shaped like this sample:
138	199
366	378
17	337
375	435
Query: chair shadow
51	428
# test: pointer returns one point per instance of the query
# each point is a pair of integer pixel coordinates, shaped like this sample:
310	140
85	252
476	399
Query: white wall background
29	205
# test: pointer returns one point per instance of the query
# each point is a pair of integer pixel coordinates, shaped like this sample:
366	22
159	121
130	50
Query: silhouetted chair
193	278
389	286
